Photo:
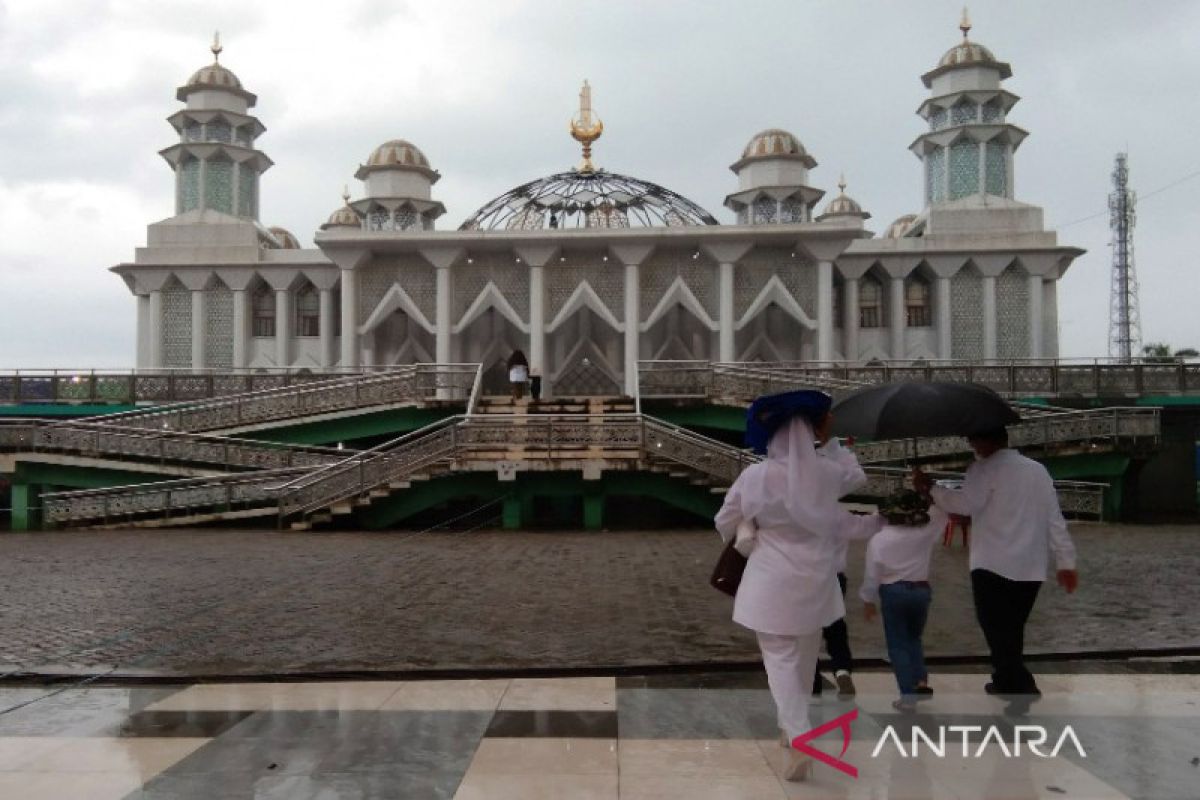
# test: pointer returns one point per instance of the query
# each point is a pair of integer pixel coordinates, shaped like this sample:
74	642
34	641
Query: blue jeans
905	607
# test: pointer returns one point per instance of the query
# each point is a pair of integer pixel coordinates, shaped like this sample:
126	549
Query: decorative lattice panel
373	283
992	112
247	191
938	119
962	113
193	131
606	279
510	277
419	279
176	326
218	131
407	219
996	169
754	271
379	219
218	186
791	211
1050	320
935	175
966	314
765	210
1012	314
964	169
189	185
698	273
218	328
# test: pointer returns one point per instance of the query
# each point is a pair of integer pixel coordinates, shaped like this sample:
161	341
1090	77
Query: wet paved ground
699	737
228	602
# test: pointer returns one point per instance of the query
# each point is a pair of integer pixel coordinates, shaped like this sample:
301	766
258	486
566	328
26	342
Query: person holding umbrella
1015	524
789	590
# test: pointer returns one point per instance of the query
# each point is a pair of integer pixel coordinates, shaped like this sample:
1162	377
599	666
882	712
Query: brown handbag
728	573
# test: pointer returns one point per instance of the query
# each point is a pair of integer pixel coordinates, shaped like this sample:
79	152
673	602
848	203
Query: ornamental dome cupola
217	163
399	183
287	241
899	226
968	148
843	206
773	180
344	217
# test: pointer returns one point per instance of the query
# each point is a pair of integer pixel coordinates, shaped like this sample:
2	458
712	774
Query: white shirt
519	373
900	553
1015	517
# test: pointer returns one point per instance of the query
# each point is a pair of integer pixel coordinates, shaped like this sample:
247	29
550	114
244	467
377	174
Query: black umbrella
913	410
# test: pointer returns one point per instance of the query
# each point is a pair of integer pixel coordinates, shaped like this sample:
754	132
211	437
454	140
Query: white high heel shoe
799	766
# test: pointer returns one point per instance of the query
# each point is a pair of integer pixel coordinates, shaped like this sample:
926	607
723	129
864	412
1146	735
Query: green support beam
26	498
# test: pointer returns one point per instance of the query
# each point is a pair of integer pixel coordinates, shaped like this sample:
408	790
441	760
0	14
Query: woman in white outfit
789	591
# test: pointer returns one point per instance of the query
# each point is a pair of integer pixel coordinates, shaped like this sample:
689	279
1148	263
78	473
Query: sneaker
924	693
904	706
845	685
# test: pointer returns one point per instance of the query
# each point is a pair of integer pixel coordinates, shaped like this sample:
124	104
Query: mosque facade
590	271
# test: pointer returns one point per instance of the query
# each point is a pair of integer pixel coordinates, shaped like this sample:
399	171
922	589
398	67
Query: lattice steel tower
1124	327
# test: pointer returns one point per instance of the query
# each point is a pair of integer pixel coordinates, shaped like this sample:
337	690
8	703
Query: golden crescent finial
216	47
842	182
586	129
345	194
964	24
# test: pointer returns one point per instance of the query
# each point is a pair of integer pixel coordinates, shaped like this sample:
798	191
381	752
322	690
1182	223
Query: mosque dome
214	76
776	143
285	238
344	217
967	54
898	227
397	152
587	199
843	206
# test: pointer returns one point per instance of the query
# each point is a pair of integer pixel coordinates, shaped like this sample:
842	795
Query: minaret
773	181
216	163
968	149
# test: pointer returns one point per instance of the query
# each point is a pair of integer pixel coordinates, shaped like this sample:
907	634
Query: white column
143	330
1037	323
325	328
898	313
725	351
633	324
283	327
982	168
241	330
156	329
941	302
443	315
349	319
199	327
537	319
850	324
824	310
989	317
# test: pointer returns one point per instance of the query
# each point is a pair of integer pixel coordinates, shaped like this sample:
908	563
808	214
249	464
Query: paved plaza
204	603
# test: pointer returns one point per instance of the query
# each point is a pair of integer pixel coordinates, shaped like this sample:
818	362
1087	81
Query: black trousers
837	642
1002	607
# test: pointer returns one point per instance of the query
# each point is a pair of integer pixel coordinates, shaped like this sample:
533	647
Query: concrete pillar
143	330
241	329
199	328
633	324
443	315
989	317
1037	323
941	304
824	311
725	351
537	319
349	319
325	328
283	327
156	329
898	317
850	323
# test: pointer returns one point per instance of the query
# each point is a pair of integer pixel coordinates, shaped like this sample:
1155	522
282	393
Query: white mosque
589	271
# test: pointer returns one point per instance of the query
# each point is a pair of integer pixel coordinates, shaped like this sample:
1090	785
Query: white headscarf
805	481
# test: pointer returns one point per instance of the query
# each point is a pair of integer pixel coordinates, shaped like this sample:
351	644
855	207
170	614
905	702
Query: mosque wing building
590	271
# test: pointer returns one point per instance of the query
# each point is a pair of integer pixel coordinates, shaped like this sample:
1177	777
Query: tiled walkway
665	736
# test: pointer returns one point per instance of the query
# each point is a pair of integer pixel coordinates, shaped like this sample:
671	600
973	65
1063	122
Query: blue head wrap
768	414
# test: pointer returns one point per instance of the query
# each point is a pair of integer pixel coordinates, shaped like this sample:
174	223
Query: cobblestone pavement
207	602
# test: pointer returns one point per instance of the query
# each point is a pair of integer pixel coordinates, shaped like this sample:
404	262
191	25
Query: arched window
870	304
308	311
765	209
379	219
963	113
917	304
263	307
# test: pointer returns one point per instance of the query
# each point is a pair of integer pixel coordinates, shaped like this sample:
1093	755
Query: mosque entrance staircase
488	441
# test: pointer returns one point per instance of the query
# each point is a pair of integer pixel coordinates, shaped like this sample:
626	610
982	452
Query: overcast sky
485	89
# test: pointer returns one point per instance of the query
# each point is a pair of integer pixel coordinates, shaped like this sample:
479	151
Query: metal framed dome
587	199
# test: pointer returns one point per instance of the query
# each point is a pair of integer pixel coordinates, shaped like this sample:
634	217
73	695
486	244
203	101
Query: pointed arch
678	293
775	292
491	297
585	296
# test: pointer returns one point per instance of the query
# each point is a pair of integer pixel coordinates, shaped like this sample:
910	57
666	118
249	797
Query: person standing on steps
1016	523
518	373
789	590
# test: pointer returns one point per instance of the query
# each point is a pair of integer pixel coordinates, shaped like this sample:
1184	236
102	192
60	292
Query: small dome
898	228
773	142
967	52
398	152
344	217
214	76
285	238
843	205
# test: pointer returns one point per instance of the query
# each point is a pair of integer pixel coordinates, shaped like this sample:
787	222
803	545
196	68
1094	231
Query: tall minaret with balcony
968	149
216	163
